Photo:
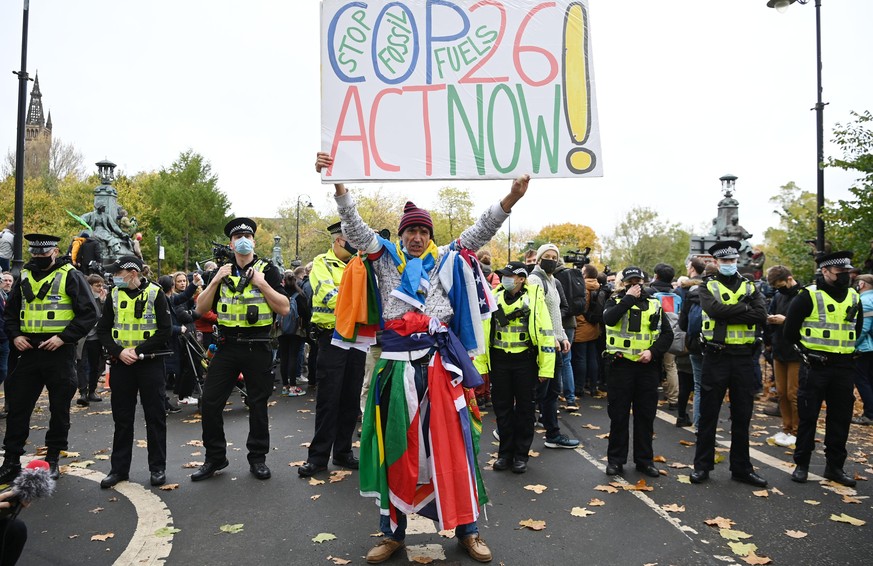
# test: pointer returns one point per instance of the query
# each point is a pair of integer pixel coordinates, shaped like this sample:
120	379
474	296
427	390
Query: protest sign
458	89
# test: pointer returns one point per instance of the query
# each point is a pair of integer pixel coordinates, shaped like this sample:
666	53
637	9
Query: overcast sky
688	90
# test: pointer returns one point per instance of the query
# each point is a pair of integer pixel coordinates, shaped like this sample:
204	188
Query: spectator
7	239
663	283
864	356
91	363
492	278
584	351
291	337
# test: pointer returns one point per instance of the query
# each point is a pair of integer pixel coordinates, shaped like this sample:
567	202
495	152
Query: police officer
732	310
638	335
340	371
520	348
245	294
135	325
825	320
49	310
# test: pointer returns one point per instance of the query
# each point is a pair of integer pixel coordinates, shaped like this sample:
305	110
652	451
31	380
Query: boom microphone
32	483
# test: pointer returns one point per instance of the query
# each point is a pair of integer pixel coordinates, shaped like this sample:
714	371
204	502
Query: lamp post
781	6
297	228
17	258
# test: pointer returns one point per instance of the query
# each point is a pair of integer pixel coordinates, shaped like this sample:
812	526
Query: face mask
119	282
350	248
486	269
842	281
549	265
508	282
244	246
95	294
42	263
787	291
727	269
529	267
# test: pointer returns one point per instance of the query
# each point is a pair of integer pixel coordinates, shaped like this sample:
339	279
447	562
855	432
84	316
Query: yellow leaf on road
761	493
103	538
232	529
580	512
843	518
596	503
448	533
673	508
795	534
639	486
169	487
82	464
603	436
191	465
422	559
720	522
742	548
532	524
812	502
606	488
754	559
316	496
338	560
719	458
313	481
323	537
733	535
850	499
591	426
65	454
296	464
339	475
661	459
538	489
686	443
684	479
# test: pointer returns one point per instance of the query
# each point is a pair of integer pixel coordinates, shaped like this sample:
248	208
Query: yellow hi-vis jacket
826	328
736	334
620	339
128	329
325	277
50	310
233	304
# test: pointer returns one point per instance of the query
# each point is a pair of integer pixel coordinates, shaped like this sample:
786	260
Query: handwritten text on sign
449	89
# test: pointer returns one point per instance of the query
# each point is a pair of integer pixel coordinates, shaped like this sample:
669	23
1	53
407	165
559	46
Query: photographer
13	533
520	348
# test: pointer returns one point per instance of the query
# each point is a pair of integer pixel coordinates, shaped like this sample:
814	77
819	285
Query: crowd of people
405	341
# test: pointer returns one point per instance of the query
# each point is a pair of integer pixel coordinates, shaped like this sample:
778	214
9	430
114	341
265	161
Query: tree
786	244
452	215
642	239
63	160
569	237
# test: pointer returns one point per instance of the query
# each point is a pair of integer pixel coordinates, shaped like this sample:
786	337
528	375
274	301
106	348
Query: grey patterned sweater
437	303
553	299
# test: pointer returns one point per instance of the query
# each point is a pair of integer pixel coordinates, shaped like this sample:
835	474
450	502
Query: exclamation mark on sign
577	89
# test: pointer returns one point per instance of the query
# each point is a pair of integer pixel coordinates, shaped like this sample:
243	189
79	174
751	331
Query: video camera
578	257
503	318
222	253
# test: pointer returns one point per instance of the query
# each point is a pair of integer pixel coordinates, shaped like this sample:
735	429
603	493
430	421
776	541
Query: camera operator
13	533
245	293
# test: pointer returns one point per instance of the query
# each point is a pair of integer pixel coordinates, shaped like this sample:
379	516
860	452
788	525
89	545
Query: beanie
546	247
414	216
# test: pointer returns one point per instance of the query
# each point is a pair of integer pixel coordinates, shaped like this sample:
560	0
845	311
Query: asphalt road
281	517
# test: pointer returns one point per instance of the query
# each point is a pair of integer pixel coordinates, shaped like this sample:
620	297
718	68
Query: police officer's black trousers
632	384
513	394
834	384
723	371
56	371
340	376
144	378
253	360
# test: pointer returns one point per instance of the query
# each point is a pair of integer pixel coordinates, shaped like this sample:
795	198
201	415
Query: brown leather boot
383	551
476	548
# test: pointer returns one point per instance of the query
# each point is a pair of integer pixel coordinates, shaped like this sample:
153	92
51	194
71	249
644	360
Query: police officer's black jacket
752	310
76	287
615	311
783	350
154	343
801	307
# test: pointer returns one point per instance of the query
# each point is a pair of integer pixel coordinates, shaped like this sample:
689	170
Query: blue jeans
547	399
584	365
697	371
864	381
399	534
567	384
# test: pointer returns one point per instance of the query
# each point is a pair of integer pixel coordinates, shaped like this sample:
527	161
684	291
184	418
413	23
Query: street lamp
17	257
297	228
781	6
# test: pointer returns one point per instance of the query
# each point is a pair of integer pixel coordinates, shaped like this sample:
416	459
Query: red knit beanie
414	216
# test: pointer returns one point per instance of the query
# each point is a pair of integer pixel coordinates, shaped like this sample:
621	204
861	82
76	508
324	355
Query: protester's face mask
508	282
727	269
244	245
787	291
549	265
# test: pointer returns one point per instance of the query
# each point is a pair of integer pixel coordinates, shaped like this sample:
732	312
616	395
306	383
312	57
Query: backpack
695	323
670	302
574	289
678	345
289	323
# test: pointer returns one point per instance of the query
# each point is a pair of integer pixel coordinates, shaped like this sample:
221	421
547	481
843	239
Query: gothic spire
48	122
35	115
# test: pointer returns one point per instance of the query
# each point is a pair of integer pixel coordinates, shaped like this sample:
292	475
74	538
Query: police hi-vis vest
622	338
327	272
827	329
522	333
735	334
236	307
135	319
45	306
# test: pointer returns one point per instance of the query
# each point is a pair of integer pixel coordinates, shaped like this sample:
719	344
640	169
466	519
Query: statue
734	231
277	253
107	218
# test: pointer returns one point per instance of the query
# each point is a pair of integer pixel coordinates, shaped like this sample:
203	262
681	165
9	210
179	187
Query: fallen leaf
596	503
538	489
843	518
313	481
591	426
422	559
101	457
233	529
71	537
795	534
579	415
859	477
686	443
339	475
606	488
113	499
272	403
142	444
776	491
719	458
305	444
448	533
167	531
379	534
194	443
812	502
314	497
65	454
189	465
338	560
684	479
297	464
761	493
733	535
533	525
850	499
304	411
96	510
719	522
580	512
753	558
661	459
82	464
603	436
673	508
323	537
743	548
533	454
169	487
639	486
103	538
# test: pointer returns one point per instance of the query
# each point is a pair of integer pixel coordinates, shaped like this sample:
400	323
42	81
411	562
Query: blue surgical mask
244	246
508	282
727	269
119	282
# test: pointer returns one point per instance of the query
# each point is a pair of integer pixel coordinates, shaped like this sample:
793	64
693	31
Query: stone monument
109	223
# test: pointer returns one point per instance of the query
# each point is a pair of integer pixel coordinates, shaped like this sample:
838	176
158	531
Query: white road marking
152	514
432	551
418	525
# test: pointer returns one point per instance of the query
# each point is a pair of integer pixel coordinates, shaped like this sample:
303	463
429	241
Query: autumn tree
642	239
64	160
452	215
569	237
786	244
